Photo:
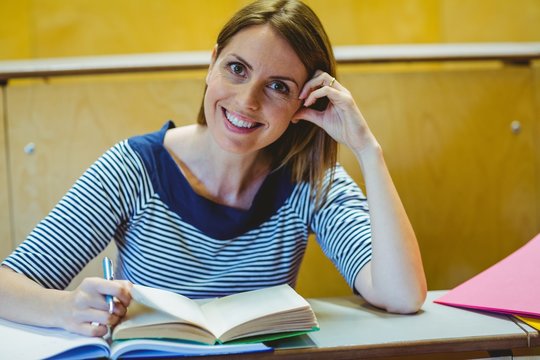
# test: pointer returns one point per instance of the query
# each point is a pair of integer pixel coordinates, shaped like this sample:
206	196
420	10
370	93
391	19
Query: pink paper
510	286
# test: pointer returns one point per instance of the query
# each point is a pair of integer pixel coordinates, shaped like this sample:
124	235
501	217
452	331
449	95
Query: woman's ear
298	115
212	62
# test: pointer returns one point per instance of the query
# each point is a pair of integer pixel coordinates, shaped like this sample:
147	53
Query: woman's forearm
394	279
24	301
83	310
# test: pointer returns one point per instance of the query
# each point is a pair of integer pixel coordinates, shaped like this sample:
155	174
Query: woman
226	205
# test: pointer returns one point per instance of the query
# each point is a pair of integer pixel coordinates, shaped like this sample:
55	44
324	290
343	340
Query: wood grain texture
489	20
5	216
72	124
468	183
536	130
45	28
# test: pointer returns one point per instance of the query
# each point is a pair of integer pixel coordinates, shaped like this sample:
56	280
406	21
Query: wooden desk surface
352	329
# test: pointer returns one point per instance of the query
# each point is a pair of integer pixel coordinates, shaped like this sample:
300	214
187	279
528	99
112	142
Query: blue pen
108	274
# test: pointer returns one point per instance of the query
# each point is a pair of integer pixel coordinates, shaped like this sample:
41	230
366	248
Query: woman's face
253	89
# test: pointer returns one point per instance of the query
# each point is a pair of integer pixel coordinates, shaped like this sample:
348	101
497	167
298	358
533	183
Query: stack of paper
511	286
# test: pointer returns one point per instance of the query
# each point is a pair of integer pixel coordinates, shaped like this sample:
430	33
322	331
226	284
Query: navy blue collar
215	220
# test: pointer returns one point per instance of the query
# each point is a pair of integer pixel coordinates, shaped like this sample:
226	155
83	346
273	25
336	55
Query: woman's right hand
86	311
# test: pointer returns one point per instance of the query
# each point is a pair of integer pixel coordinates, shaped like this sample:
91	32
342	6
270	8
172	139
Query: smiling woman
227	204
247	95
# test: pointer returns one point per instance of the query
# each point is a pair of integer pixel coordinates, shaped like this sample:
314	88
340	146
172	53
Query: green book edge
268	337
245	340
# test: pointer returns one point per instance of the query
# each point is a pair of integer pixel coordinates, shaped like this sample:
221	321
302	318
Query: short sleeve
342	226
92	213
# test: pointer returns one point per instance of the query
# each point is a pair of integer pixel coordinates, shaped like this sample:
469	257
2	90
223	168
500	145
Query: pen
108	274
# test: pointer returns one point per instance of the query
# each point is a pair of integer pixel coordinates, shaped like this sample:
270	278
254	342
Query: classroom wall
423	101
5	219
58	28
467	180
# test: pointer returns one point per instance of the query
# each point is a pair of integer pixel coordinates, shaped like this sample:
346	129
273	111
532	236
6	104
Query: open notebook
29	342
251	316
160	323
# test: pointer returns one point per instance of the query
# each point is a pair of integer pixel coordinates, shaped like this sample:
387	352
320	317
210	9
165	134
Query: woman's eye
280	87
236	68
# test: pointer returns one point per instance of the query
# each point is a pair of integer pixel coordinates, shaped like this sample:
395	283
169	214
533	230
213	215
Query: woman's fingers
88	305
119	289
320	93
319	80
90	329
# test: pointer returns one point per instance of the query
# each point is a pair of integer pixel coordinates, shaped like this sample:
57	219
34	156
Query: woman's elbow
408	303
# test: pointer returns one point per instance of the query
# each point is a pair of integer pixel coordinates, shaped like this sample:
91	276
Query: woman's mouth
239	123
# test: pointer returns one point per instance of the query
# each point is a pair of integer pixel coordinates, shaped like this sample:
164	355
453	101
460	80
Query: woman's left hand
341	119
394	278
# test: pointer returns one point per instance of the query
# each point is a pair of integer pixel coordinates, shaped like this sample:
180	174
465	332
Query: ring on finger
332	82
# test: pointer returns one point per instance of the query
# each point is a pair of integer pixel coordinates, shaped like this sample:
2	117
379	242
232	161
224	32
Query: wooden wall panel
469	184
467	181
490	20
353	22
83	27
57	28
6	245
16	28
536	130
70	124
318	277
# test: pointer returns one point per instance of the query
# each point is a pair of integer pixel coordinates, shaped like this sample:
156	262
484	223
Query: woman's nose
249	95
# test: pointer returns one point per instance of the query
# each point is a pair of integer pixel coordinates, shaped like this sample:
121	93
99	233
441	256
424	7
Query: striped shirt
170	237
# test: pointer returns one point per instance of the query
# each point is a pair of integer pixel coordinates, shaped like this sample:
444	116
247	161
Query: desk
349	329
352	329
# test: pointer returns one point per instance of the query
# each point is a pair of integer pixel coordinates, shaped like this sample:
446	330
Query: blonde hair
304	147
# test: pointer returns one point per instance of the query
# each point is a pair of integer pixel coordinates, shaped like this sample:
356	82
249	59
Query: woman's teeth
237	122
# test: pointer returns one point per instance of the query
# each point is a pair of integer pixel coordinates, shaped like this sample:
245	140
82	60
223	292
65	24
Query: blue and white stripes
116	199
